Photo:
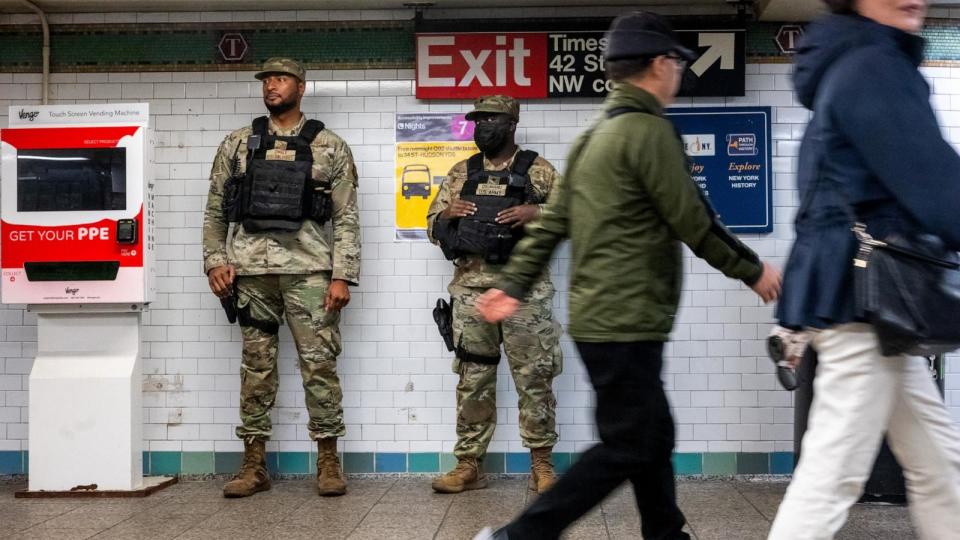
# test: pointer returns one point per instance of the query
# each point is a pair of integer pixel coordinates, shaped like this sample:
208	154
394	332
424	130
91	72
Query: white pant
858	395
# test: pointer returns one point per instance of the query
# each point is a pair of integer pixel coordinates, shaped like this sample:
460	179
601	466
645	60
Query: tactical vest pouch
445	231
277	191
321	204
487	238
231	199
492	192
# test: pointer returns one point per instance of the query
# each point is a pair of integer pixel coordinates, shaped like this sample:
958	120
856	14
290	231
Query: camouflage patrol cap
497	104
281	65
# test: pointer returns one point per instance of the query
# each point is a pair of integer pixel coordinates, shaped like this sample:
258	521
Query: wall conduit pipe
45	80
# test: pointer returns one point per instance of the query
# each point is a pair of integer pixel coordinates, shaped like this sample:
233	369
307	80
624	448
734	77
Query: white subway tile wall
398	386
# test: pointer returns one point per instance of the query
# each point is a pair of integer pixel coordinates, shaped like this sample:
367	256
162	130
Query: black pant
637	436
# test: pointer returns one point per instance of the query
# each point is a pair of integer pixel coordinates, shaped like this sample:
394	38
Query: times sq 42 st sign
560	64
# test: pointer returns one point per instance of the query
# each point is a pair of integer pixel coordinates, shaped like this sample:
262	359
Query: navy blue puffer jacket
873	152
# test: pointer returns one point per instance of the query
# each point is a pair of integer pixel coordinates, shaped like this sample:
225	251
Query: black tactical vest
492	192
278	191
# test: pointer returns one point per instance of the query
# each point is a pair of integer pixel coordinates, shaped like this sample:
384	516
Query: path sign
730	159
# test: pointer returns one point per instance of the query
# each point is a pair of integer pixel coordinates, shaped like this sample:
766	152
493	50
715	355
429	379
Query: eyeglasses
681	63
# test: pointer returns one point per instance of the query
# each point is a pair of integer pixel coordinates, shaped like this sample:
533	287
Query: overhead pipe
45	80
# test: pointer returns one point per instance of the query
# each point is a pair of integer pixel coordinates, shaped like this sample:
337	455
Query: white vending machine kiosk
77	243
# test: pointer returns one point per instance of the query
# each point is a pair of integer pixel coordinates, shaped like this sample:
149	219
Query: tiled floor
399	508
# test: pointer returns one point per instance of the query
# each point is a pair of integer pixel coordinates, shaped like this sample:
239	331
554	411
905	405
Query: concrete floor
400	508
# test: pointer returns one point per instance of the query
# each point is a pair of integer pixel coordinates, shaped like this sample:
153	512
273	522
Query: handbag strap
867	243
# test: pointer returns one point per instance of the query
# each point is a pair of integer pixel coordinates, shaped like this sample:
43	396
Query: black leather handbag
909	290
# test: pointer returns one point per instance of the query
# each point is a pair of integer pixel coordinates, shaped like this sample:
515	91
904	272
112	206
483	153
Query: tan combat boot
542	476
252	477
464	477
330	480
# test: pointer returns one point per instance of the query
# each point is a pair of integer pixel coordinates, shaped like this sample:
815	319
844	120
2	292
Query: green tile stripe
942	35
761	39
197	462
320	45
495	463
943	40
189	463
295	462
686	464
753	463
447	462
16	462
167	463
13	462
353	45
720	463
359	462
423	462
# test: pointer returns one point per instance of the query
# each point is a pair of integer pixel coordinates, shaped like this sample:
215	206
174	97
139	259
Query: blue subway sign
731	160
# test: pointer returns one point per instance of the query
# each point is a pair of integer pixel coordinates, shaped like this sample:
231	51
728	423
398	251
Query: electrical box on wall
75	205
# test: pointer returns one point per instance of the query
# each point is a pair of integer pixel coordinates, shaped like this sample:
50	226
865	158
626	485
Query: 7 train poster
428	146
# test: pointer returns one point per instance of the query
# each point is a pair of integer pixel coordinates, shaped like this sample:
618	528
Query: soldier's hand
496	305
338	296
768	286
518	215
221	279
458	209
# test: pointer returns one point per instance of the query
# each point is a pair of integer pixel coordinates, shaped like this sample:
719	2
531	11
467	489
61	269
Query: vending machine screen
71	179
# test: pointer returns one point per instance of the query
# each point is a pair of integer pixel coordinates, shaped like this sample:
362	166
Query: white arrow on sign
722	48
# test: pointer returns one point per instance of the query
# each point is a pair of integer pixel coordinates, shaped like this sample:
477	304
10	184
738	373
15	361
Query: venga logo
471	65
29	116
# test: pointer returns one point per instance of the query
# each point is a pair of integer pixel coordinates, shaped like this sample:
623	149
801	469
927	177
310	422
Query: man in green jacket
626	203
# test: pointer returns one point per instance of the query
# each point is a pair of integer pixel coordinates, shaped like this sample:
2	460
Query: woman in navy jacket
873	153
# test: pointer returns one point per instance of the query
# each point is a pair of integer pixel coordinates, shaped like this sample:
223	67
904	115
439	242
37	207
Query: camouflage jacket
473	271
306	251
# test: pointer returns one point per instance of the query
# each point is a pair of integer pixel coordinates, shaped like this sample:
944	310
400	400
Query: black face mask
491	138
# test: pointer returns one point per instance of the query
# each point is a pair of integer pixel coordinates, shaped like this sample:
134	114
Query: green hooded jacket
626	202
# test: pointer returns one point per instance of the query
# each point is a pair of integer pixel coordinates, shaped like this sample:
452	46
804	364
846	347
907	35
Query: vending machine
76	245
73	196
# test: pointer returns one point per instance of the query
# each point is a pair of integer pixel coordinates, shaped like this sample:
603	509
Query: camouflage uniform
282	272
530	337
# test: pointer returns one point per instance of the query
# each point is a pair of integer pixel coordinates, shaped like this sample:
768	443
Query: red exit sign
468	65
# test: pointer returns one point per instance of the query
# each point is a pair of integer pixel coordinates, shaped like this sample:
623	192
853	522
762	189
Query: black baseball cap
643	34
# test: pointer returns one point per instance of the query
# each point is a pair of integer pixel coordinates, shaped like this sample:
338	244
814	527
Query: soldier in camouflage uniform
530	338
298	273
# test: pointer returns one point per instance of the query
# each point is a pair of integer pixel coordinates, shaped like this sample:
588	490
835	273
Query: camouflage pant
317	337
531	340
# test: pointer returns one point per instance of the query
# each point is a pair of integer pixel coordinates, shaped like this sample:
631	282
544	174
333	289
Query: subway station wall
398	386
